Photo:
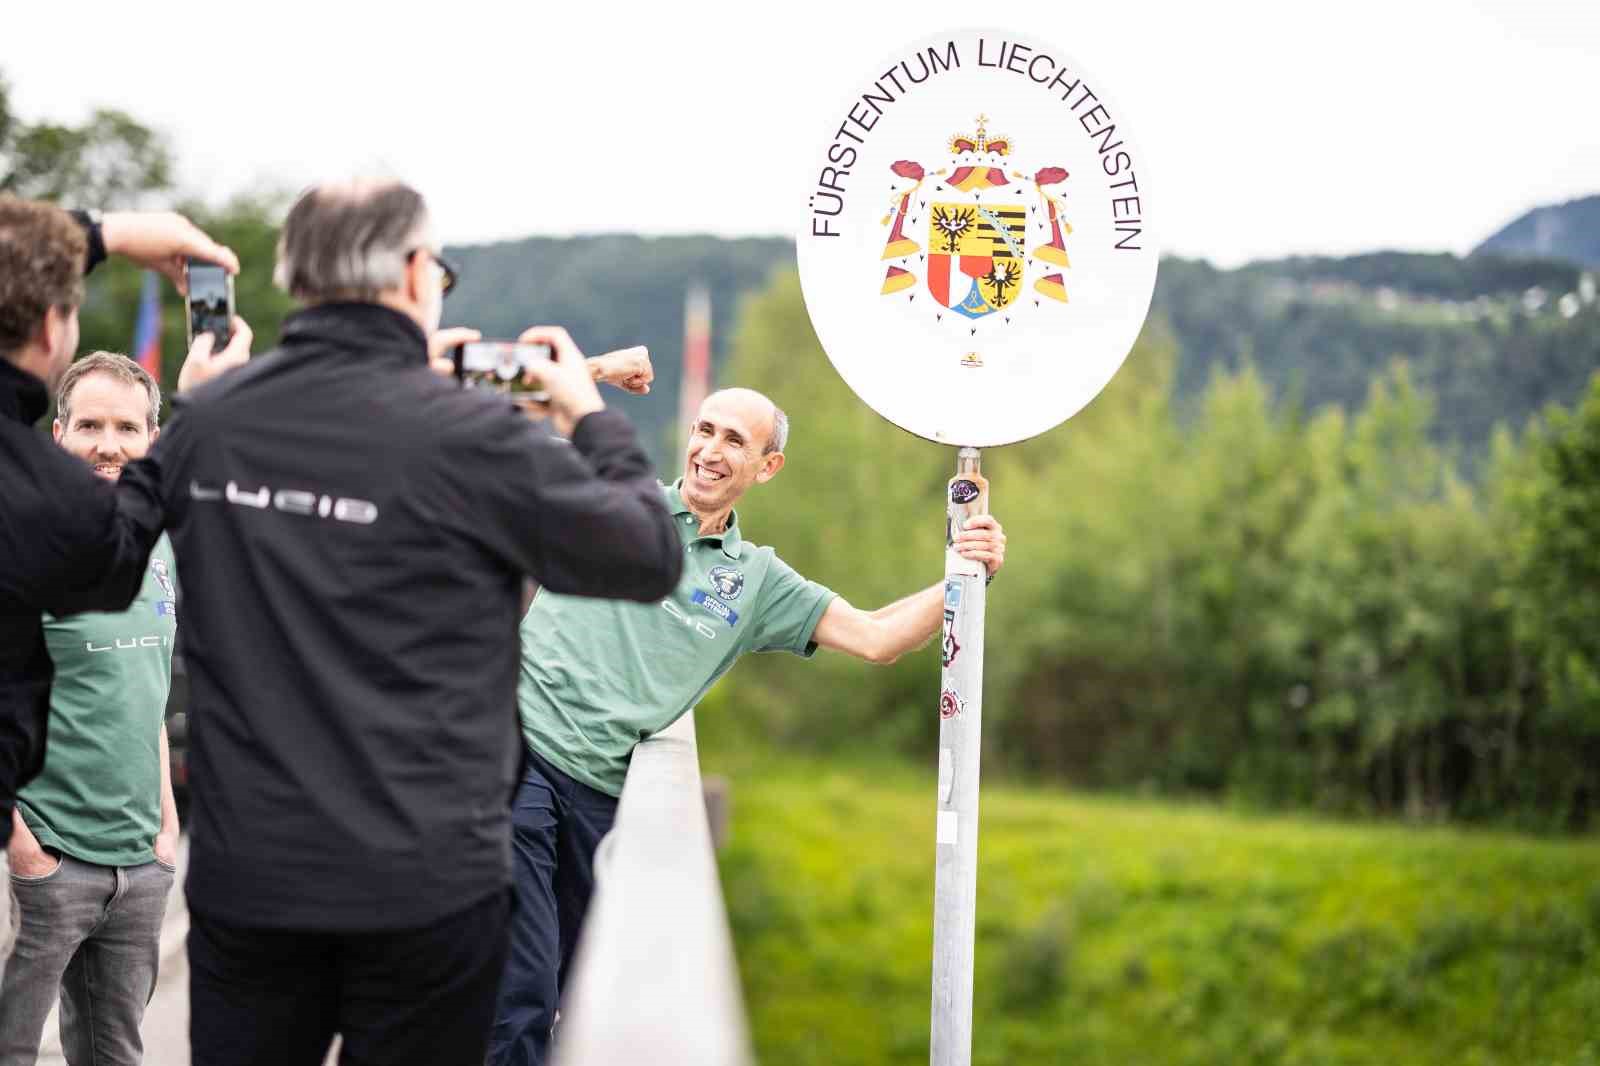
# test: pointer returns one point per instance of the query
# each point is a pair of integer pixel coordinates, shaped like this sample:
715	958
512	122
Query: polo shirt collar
729	538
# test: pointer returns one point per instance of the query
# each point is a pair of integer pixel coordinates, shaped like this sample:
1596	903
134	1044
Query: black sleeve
585	519
97	241
103	546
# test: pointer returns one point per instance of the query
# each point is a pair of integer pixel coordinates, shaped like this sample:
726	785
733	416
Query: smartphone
210	301
500	365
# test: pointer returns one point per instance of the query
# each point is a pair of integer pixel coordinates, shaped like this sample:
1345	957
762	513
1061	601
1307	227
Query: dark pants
556	823
272	997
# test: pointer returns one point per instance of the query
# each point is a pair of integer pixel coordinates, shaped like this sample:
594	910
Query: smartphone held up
209	302
502	366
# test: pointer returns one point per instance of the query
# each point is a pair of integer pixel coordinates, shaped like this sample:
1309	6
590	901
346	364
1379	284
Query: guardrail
654	979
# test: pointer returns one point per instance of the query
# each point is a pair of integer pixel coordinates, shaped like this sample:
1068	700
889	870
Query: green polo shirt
598	676
98	797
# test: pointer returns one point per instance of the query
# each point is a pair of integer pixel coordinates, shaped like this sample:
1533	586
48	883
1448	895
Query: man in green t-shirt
600	676
94	838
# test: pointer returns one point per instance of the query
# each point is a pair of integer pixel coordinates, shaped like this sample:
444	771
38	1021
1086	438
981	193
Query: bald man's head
773	418
736	441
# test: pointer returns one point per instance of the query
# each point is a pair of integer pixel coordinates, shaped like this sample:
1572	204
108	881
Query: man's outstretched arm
882	636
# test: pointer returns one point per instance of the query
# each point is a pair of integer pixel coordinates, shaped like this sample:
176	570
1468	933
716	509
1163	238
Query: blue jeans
556	822
93	934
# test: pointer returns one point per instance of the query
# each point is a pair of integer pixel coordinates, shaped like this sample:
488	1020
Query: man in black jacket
62	547
352	532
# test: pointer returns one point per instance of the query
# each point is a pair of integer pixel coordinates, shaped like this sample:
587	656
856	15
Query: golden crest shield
975	257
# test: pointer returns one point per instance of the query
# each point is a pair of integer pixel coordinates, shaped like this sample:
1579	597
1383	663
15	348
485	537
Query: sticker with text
949	647
704	599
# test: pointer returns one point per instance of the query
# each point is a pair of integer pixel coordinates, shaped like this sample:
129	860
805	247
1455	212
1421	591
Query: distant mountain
1492	339
1569	231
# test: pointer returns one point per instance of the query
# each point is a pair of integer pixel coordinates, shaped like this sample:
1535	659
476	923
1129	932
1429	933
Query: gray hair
112	365
780	432
350	240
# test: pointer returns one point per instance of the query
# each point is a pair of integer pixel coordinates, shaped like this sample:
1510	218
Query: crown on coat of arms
980	141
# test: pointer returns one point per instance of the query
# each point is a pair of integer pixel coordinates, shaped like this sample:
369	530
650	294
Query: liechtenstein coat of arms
974	222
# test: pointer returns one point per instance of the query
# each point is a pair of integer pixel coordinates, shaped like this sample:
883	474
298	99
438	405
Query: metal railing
654	980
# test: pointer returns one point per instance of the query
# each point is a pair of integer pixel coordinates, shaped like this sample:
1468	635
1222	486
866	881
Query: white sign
977	250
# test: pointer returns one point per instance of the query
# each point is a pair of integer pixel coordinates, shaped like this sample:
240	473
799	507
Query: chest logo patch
728	581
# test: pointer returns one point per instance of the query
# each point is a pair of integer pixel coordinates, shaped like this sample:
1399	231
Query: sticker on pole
976	253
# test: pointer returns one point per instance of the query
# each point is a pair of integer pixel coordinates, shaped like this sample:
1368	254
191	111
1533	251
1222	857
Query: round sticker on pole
976	252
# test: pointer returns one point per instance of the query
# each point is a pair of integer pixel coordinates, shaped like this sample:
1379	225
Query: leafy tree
111	161
1557	554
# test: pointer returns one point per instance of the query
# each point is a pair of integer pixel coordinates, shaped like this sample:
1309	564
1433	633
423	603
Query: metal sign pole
955	884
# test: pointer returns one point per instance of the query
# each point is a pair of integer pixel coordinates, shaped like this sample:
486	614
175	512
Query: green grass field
1126	933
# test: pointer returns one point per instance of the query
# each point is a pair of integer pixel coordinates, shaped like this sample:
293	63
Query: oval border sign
977	250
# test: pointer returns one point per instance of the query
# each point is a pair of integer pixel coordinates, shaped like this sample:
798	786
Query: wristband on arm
90	221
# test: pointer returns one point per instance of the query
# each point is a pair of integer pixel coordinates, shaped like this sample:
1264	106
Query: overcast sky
1271	128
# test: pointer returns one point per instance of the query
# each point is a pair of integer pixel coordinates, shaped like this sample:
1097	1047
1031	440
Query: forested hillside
1492	340
1237	599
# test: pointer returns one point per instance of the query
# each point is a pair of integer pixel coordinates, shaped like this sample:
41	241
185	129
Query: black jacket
62	549
351	531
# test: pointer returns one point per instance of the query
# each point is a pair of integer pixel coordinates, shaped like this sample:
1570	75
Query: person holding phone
69	541
353	530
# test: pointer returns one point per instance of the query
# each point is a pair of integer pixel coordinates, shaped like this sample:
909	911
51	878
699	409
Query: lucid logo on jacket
290	501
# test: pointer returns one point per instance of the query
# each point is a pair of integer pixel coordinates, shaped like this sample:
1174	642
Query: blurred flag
696	380
147	331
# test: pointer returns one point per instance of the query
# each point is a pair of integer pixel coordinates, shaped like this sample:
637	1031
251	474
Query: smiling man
94	837
598	677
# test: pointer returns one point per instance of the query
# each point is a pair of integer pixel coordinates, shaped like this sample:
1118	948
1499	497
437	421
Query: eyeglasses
449	275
